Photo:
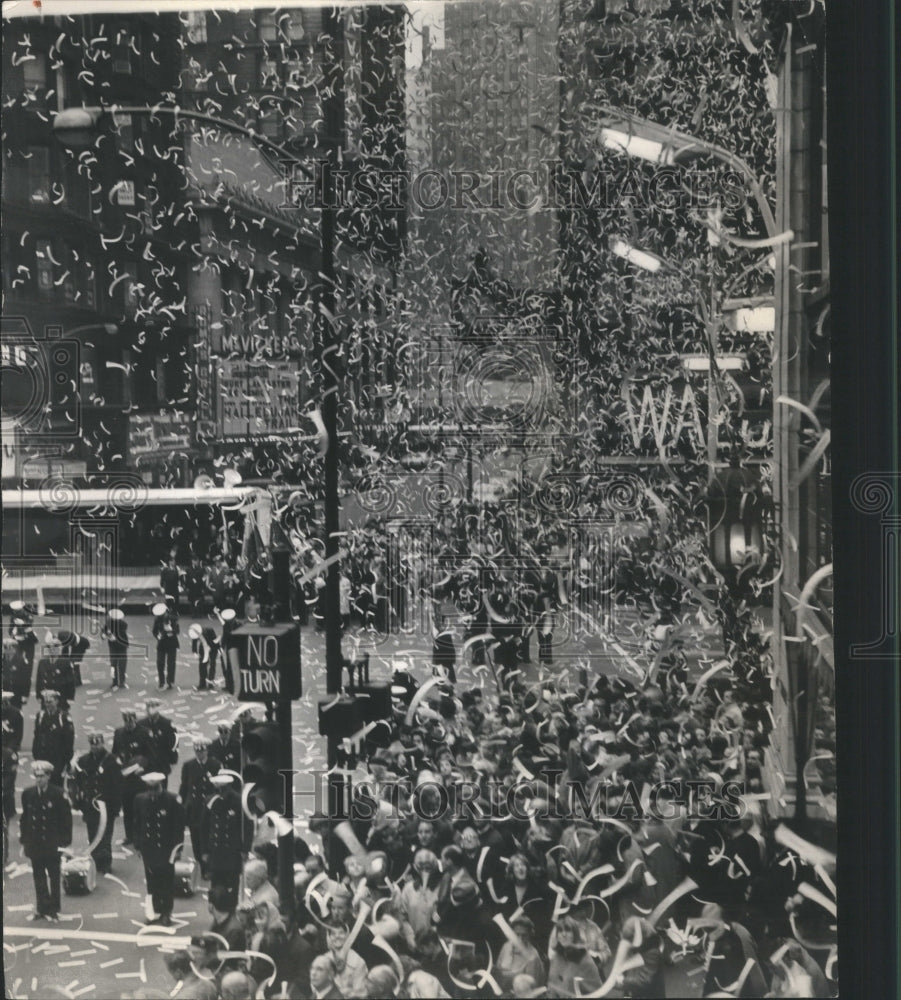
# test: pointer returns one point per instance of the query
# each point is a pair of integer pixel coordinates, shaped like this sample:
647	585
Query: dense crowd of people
504	838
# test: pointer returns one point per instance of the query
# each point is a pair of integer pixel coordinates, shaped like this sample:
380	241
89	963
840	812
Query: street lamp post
77	128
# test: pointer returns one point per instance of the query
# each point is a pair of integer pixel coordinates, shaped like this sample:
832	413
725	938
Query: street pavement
101	948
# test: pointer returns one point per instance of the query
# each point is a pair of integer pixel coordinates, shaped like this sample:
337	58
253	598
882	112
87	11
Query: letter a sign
266	660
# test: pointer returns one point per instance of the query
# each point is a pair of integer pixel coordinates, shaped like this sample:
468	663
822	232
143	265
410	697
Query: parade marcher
54	737
165	631
132	750
74	647
225	835
55	671
194	585
115	631
13	723
18	668
194	791
226	748
205	643
159	830
24	635
45	828
162	737
98	778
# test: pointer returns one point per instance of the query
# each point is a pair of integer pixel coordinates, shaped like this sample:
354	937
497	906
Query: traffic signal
260	751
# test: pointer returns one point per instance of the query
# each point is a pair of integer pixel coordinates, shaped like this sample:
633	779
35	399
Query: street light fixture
640	258
636	136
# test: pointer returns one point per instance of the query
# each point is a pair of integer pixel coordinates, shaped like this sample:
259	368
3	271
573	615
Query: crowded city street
417	538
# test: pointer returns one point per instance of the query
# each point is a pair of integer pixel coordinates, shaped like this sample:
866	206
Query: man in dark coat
132	750
205	643
230	622
46	826
24	637
55	672
226	748
194	791
159	829
74	646
54	737
13	724
162	738
226	835
165	631
115	631
98	778
16	673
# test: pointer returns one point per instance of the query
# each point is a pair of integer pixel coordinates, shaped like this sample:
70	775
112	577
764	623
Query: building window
34	69
38	167
195	25
268	26
43	252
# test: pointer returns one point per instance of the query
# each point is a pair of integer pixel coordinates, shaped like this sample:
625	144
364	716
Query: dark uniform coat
227	752
98	776
13	727
26	641
46	823
163	739
57	674
225	831
195	787
159	827
54	741
17	671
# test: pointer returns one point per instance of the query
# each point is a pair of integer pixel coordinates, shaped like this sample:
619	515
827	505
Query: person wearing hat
165	631
159	829
24	635
98	778
205	643
115	631
226	747
13	723
45	828
194	790
74	646
226	835
162	737
55	671
132	750
54	737
17	672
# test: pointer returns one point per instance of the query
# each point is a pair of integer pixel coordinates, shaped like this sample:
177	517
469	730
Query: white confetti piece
67	965
111	963
83	990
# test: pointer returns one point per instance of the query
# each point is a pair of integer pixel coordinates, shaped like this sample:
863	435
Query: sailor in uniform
98	778
132	750
162	737
46	826
194	791
159	830
226	835
54	737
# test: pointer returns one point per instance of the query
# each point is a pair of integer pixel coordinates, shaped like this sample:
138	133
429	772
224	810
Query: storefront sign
256	399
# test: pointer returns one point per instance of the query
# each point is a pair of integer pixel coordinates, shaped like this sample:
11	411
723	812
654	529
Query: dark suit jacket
160	826
195	786
46	823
